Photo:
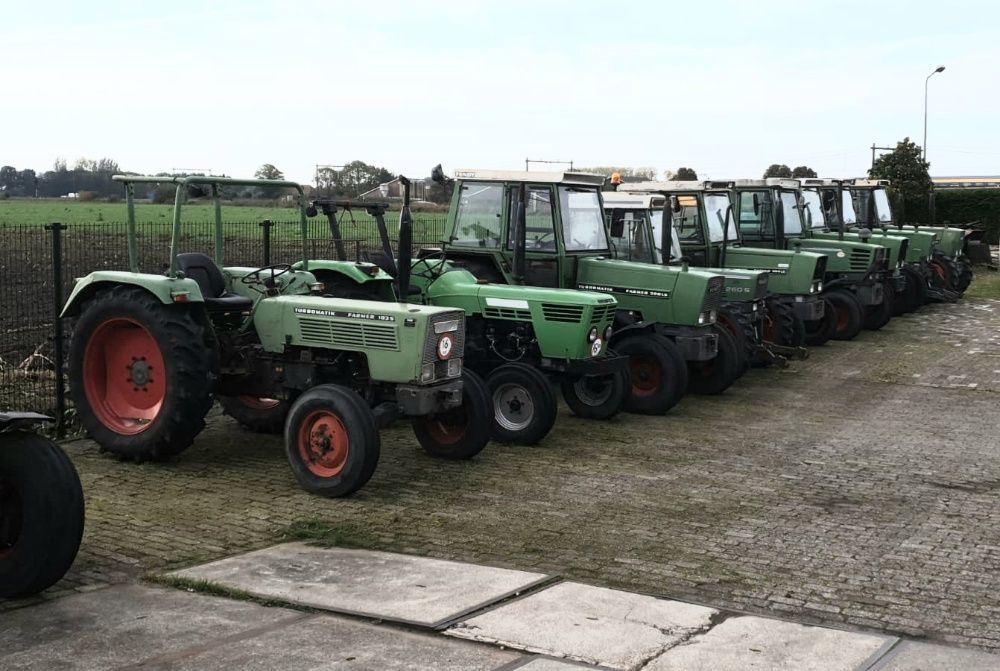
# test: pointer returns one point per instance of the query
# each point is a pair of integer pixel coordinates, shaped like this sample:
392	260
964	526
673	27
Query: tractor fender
167	290
10	421
839	283
360	272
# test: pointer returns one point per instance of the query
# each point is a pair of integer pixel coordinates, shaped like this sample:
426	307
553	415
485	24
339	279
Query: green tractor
518	338
951	269
770	214
149	352
697	211
547	230
41	508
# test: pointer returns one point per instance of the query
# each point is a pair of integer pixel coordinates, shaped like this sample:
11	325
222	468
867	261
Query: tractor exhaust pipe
517	271
338	239
405	244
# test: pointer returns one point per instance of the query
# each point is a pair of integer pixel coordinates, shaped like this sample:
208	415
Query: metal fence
39	265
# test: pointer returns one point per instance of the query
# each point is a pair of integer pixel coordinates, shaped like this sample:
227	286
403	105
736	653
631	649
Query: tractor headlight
592	335
446	326
817	287
454	367
427	372
607	333
707	317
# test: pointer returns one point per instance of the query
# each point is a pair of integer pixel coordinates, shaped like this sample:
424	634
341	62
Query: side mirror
829	200
617	223
311	211
675	205
756	205
437	174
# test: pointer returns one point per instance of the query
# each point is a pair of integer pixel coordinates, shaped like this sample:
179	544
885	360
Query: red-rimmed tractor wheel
781	326
658	372
141	374
41	513
263	415
331	441
849	314
461	432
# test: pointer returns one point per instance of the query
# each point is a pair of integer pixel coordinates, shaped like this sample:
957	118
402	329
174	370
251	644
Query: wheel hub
139	372
513	406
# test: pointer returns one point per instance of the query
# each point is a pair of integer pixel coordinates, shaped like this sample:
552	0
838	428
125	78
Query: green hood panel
791	272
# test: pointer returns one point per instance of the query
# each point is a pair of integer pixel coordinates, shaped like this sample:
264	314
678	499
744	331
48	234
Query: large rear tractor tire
524	405
41	514
848	311
658	372
261	415
877	316
142	374
597	396
462	432
944	272
331	441
716	375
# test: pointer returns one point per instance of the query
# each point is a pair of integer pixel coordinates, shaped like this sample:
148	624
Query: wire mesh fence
40	264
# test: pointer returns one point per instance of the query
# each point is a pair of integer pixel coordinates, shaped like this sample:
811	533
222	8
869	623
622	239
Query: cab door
541	244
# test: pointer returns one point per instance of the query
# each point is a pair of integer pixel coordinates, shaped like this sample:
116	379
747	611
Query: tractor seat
202	269
382	260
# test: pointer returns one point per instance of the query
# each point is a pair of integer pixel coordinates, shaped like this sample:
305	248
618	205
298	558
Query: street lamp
940	68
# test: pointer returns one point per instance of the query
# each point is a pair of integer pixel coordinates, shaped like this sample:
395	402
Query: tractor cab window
812	209
477	222
630	235
755	214
791	213
582	220
655	222
882	208
539	232
720	215
687	221
847	205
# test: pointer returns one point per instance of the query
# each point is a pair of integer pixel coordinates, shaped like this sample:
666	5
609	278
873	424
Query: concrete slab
589	624
384	585
743	643
548	664
120	625
335	642
913	656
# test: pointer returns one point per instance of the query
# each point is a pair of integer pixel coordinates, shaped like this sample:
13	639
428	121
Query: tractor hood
897	245
791	272
845	256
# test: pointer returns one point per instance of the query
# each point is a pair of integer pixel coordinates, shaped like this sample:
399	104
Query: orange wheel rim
124	376
448	428
647	375
323	443
842	319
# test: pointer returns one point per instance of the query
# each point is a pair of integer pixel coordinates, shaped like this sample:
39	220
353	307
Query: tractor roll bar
181	196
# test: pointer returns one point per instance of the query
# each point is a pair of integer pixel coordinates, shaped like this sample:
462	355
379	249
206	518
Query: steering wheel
254	277
428	272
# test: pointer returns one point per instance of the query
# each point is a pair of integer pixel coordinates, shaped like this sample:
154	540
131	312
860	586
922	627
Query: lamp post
940	68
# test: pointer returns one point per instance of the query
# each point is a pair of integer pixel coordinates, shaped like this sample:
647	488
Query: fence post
57	301
266	225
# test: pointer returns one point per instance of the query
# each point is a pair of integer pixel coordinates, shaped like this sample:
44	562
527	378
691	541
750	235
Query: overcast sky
723	87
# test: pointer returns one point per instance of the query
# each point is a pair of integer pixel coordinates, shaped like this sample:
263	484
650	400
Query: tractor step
796	353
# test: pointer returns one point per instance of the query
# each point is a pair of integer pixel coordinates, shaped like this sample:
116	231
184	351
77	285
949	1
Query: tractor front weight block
414	400
870	294
595	367
699	347
807	308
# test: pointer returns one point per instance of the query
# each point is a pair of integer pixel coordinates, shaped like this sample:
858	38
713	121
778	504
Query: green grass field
985	285
47	211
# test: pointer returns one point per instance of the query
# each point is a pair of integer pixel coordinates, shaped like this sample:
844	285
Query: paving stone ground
859	488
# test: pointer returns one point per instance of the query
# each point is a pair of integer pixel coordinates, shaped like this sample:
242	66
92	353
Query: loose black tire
41	514
877	316
261	415
331	441
180	341
597	397
657	370
716	375
462	432
848	313
524	405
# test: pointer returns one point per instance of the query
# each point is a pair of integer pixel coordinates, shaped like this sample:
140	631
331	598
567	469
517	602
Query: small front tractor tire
782	327
849	314
965	274
524	405
716	375
597	396
737	329
41	514
261	415
914	293
658	372
462	432
877	316
142	374
331	441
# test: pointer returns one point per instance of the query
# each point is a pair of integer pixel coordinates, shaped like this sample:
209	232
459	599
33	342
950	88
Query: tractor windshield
477	221
847	205
791	214
882	208
582	220
655	221
813	209
718	210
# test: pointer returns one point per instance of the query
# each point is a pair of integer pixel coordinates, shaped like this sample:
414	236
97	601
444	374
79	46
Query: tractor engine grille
860	259
761	291
508	313
713	294
904	248
554	312
820	271
430	346
602	313
349	334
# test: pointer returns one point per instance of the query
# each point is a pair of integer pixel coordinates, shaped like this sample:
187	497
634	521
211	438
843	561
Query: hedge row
960	207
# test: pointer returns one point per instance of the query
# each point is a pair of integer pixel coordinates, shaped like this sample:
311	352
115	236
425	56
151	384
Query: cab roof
632	201
780	182
670	186
820	181
861	181
567	177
